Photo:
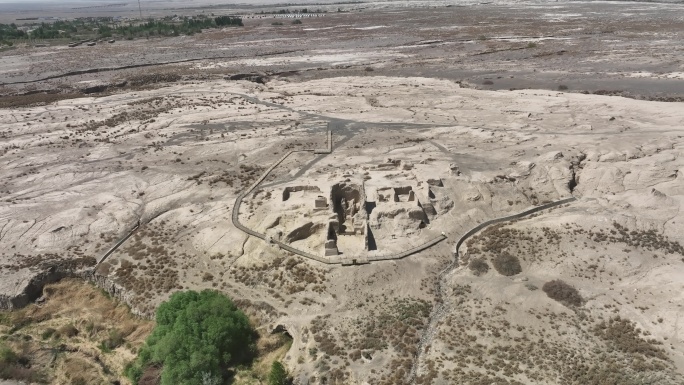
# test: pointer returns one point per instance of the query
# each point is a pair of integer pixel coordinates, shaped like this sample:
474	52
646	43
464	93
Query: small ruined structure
320	203
366	214
454	169
290	189
435	182
363	215
404	194
389	164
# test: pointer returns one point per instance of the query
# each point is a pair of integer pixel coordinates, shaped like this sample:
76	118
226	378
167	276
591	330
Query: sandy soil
82	172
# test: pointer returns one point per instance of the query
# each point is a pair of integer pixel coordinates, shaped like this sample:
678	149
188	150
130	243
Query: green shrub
47	333
91	327
297	21
198	335
14	366
7	355
113	341
278	374
507	264
104	348
276	23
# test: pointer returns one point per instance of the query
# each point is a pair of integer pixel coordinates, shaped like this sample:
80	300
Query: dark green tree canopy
198	337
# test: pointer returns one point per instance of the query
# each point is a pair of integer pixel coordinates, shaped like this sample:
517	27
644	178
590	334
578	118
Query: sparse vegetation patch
562	292
623	335
479	266
507	264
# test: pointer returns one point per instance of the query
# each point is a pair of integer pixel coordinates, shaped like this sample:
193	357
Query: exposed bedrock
117	291
34	288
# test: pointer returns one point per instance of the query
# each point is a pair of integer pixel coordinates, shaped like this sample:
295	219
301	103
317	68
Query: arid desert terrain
327	176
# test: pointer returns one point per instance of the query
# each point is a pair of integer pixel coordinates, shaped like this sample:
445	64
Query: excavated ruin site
423	208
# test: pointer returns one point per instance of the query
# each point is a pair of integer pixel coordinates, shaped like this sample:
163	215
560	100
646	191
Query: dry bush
645	239
74	308
610	372
16	366
128	328
21	373
479	266
47	333
67	331
624	336
531	286
507	264
7	355
80	371
104	268
392	326
562	292
285	276
113	341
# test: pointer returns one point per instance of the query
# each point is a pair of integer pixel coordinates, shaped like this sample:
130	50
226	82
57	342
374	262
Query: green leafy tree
199	335
278	374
